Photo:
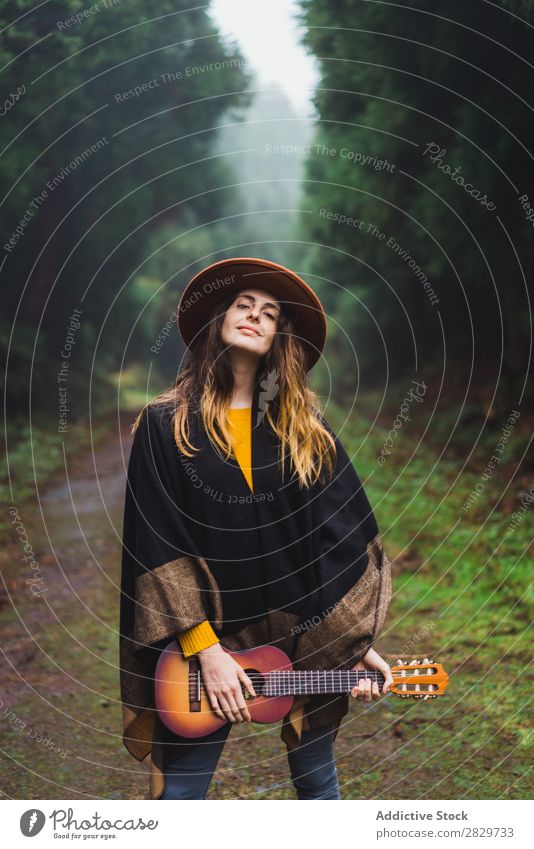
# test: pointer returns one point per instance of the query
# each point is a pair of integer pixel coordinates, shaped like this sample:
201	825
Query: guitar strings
280	680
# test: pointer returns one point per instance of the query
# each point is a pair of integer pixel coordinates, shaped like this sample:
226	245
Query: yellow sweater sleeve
198	637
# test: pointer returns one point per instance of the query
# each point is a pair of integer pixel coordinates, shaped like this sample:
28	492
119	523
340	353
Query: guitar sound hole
258	682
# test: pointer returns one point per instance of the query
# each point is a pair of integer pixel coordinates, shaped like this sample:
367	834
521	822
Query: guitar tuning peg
426	660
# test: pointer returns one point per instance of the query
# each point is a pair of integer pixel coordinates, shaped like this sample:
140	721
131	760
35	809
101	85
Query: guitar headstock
418	679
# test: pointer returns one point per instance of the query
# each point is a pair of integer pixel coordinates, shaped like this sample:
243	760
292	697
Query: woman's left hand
366	688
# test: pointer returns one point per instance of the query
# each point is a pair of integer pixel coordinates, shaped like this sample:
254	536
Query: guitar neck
304	682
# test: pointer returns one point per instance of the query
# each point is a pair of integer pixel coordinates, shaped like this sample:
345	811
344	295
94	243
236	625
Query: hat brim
216	281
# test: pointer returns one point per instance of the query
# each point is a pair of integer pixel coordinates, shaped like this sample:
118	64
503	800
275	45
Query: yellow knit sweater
202	636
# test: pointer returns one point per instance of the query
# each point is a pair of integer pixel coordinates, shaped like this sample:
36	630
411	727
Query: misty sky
268	36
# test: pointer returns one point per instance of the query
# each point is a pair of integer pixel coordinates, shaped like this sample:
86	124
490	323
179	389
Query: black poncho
302	569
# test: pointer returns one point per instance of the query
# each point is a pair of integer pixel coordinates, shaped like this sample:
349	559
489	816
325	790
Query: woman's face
251	321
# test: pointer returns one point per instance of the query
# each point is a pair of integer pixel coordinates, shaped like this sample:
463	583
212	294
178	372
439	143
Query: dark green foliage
153	164
395	78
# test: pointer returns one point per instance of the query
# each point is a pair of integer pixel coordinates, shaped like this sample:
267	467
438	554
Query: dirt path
60	716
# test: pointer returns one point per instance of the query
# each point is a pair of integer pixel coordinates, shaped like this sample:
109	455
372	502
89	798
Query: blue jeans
312	766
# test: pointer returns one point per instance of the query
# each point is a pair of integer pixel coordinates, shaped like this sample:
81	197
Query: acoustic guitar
184	708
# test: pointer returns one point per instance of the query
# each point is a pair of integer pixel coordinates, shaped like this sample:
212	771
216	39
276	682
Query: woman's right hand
222	677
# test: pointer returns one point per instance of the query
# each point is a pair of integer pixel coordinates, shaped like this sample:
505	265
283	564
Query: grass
463	571
35	456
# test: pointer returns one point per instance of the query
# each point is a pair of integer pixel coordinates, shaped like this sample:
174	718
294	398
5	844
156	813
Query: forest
126	162
140	145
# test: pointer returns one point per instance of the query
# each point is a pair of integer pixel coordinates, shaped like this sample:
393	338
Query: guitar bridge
194	678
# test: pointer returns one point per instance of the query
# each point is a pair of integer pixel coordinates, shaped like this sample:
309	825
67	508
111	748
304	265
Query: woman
246	524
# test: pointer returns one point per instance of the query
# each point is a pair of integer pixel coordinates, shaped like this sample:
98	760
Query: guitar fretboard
300	682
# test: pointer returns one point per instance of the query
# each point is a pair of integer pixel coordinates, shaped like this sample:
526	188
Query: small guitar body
183	706
182	701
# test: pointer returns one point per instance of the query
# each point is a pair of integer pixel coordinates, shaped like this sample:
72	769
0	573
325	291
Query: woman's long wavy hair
206	383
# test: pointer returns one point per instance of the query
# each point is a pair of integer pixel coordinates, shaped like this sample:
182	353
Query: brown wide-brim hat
214	283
